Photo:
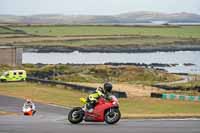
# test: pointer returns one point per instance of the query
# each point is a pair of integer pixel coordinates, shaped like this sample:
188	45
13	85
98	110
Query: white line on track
59	106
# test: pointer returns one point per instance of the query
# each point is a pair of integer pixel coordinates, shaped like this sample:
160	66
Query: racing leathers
31	105
93	98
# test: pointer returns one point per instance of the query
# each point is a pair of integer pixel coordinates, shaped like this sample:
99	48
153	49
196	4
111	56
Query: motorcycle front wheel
76	115
112	116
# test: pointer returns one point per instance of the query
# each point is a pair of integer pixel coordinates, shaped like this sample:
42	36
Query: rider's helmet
107	87
28	100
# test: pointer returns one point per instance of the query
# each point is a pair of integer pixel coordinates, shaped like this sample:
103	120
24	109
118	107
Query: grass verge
137	107
42	93
2	112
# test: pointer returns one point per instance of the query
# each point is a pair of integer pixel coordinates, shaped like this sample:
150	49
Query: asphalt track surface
51	119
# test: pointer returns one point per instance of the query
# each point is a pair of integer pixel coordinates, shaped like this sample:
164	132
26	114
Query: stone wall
11	56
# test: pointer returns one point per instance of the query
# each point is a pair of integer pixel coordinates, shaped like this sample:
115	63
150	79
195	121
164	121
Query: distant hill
131	17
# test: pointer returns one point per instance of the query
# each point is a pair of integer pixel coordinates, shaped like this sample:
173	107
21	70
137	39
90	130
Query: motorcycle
104	111
27	110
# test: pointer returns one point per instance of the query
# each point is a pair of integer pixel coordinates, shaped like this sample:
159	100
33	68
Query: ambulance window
20	73
14	73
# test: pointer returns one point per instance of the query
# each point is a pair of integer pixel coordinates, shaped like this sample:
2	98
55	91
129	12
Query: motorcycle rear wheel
76	115
112	116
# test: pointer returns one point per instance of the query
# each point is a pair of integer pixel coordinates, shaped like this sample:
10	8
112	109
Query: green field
183	31
5	31
134	41
97	36
117	42
130	107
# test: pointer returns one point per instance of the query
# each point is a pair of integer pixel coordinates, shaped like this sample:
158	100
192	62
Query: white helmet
28	100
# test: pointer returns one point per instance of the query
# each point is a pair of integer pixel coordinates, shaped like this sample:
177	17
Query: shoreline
112	49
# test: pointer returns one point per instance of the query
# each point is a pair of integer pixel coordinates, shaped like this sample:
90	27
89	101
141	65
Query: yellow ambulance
14	75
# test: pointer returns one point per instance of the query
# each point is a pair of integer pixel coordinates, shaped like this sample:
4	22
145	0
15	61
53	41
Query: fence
118	94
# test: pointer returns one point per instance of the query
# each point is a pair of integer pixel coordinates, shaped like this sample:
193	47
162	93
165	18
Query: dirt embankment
132	90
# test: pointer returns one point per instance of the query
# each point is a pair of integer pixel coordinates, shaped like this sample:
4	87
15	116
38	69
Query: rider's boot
90	110
86	109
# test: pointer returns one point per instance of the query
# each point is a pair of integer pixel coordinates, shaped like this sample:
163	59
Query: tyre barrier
87	89
165	87
175	97
156	95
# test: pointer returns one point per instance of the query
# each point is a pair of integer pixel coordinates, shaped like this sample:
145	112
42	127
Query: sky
96	7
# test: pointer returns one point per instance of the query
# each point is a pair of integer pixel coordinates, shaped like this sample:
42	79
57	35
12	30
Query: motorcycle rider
100	92
30	104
